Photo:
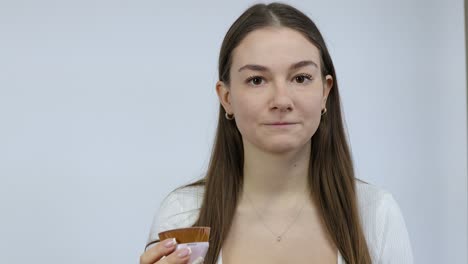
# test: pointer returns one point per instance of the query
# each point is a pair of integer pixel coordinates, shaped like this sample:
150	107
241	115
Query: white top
383	224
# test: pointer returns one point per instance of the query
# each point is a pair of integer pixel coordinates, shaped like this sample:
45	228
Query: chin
282	147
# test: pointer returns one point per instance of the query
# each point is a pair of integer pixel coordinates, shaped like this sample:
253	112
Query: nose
281	98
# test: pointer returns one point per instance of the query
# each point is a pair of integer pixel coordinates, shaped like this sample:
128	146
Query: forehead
274	47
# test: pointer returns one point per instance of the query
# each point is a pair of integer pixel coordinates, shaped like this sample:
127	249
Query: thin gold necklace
280	236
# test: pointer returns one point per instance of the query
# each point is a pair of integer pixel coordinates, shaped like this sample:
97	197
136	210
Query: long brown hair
331	175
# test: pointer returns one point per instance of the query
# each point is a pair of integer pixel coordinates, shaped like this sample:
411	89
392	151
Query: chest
253	241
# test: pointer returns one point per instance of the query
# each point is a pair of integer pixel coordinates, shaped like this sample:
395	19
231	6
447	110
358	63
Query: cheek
246	113
312	114
247	110
245	105
311	104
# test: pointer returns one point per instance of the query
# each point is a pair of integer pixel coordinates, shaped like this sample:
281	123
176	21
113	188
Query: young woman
280	186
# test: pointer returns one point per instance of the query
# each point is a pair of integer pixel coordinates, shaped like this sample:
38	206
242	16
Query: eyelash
308	76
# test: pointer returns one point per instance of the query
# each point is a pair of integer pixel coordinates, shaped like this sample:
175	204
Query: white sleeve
169	207
179	209
395	247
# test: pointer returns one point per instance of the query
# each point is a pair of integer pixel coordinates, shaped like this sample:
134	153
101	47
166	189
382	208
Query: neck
273	179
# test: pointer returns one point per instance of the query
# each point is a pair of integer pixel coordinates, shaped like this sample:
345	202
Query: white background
106	106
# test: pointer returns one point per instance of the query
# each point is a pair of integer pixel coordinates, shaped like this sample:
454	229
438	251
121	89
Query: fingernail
184	252
170	243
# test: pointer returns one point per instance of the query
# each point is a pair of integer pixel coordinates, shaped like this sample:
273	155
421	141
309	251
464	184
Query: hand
164	253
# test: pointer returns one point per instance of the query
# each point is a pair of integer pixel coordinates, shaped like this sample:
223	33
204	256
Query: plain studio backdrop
106	106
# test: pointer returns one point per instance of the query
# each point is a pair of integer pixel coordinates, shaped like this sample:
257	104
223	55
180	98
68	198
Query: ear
224	95
327	85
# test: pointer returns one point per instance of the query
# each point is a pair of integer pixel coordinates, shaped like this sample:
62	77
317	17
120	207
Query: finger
161	249
180	256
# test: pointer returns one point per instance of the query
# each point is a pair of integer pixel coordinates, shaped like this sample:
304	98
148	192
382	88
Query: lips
281	123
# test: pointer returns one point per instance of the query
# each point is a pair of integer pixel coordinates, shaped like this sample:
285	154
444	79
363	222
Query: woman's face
275	78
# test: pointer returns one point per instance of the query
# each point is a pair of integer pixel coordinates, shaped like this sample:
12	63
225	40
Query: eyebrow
297	65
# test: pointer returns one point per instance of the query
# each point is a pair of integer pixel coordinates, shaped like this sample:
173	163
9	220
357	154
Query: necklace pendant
278	239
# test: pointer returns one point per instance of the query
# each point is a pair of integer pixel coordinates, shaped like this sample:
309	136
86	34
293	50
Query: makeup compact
194	237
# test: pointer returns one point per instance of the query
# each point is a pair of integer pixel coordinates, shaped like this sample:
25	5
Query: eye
301	77
255	80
